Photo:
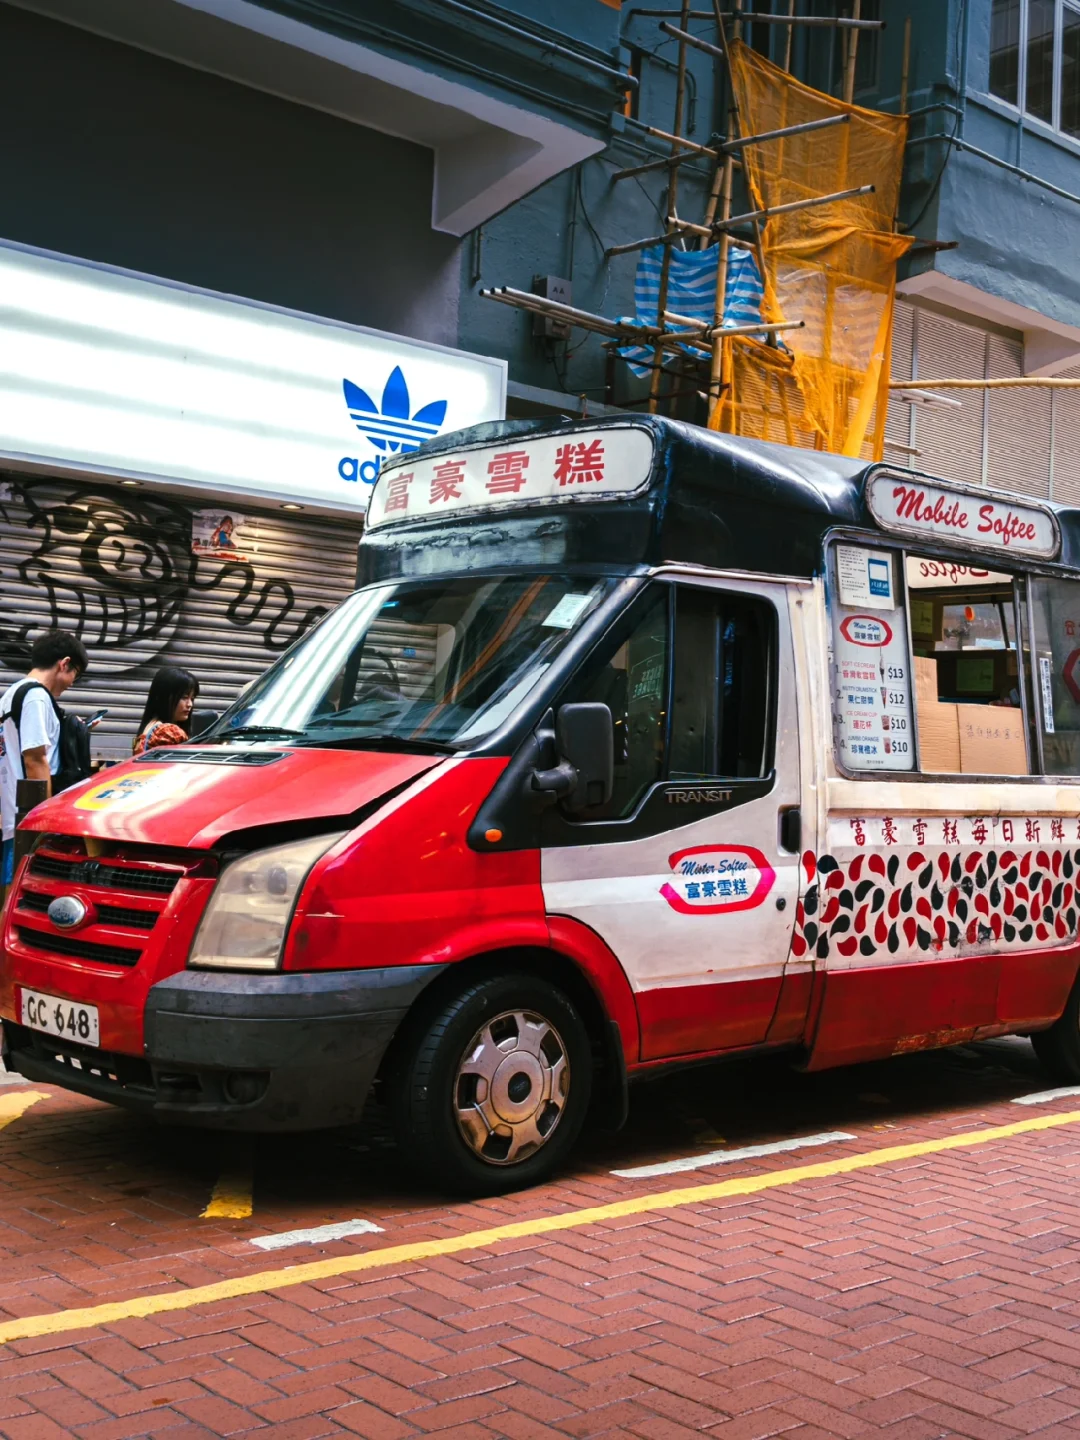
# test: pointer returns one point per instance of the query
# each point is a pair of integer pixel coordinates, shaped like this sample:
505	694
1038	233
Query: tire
1058	1048
493	1087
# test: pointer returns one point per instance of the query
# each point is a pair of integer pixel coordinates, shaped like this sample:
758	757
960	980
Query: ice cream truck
637	746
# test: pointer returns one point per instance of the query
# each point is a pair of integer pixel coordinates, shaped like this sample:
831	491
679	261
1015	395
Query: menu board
865	577
872	693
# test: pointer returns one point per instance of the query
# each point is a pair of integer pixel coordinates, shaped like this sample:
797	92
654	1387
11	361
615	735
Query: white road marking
728	1157
317	1234
1043	1097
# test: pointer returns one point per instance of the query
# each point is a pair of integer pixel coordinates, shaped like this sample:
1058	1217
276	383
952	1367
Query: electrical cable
913	225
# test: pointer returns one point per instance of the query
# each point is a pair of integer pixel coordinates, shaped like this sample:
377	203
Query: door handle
791	830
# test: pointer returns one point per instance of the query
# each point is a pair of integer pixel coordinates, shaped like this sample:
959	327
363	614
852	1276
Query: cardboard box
939	736
926	680
991	740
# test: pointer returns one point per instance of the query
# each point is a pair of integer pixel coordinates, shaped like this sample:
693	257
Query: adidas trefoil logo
391	427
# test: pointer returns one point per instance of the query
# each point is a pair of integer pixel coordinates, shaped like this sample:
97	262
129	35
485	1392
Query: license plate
66	1019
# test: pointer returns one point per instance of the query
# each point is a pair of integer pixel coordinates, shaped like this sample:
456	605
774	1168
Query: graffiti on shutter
116	567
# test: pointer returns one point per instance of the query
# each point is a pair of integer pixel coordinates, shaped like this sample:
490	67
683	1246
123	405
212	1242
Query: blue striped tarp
692	292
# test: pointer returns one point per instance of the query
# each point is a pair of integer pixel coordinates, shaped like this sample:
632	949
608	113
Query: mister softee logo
390	427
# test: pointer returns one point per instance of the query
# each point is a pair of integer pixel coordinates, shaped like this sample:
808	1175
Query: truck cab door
691	873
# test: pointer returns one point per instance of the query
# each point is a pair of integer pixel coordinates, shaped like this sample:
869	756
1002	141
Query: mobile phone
96	718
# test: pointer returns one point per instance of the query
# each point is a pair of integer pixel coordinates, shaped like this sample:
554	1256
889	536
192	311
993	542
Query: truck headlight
248	916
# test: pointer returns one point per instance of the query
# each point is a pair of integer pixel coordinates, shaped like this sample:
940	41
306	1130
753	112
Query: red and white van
637	745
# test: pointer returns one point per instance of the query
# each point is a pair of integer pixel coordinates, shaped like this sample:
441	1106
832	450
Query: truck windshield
439	663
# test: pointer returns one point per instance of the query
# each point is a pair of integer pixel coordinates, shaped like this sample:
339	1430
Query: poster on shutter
872	695
1046	685
865	577
221	534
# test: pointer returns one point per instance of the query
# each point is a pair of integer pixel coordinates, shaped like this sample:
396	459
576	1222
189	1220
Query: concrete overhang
488	152
1050	346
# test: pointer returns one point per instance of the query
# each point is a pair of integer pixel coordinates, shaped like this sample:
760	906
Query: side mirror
585	742
201	720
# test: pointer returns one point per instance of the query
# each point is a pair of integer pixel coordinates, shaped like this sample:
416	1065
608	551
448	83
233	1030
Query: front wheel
1059	1047
493	1090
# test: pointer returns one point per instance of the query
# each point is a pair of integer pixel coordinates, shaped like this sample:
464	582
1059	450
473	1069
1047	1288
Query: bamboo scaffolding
679	140
695	340
718	377
905	67
686	38
673	184
752	215
852	54
626	332
822	22
729	147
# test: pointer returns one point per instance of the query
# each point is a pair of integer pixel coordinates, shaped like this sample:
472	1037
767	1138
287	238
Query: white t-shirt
39	726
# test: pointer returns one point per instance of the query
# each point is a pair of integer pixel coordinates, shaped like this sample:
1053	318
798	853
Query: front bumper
242	1052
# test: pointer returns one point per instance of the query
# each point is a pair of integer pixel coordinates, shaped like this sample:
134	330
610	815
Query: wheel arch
580	976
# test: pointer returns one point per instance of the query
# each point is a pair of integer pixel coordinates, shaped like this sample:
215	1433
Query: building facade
351	174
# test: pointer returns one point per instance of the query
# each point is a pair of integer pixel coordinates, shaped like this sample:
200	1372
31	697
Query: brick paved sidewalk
934	1297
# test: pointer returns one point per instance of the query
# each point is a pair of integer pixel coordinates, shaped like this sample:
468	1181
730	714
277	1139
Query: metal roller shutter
1067	442
950	438
898	421
116	566
1018	425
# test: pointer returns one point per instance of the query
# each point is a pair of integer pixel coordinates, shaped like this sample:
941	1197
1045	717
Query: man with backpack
32	745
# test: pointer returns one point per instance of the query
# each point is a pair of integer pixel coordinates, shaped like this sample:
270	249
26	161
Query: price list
872	692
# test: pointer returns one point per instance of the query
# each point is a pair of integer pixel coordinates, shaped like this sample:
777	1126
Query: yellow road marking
231	1199
17	1102
31	1326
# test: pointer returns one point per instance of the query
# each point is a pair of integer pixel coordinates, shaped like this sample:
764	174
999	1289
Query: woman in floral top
167	717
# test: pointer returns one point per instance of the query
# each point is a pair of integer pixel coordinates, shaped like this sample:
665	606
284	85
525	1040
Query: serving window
951	669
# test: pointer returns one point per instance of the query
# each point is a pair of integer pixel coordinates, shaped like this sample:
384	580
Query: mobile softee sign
105	372
931	510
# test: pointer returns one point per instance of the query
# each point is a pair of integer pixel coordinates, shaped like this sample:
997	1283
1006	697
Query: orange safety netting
832	266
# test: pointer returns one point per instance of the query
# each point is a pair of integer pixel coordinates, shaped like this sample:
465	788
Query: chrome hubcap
512	1087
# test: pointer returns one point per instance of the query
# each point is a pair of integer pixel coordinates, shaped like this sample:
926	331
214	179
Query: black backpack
73	751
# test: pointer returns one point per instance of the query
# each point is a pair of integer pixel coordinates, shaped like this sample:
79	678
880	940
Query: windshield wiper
242	732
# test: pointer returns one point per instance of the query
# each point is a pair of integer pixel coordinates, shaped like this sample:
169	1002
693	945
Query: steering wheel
388	689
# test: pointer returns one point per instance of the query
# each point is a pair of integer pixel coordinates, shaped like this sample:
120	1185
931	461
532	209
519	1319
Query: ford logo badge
66	912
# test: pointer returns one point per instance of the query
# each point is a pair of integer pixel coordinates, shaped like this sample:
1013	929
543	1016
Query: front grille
104	875
68	946
125	888
123	915
34	900
126	916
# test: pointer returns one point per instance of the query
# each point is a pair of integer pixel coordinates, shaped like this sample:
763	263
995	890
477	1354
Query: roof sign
976	519
552	469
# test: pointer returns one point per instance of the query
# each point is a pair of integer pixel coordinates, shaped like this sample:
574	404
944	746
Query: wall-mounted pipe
551	47
959	144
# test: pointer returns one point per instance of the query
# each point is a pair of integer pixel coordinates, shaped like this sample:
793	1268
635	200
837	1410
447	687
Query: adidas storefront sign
104	372
389	427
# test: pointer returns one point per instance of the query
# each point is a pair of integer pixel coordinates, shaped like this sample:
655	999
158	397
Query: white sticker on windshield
567	611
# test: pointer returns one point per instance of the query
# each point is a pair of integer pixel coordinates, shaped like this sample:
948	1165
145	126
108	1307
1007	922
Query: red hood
184	803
